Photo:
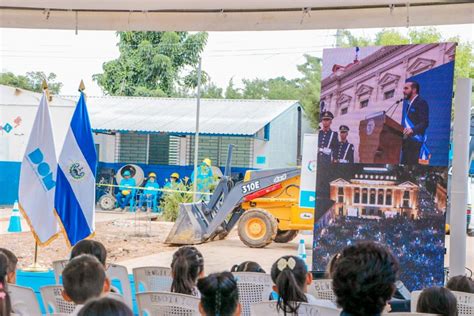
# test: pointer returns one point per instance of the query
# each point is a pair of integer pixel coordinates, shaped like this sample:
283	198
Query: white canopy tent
227	15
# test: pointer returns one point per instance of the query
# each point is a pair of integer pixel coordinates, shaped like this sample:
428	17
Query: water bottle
302	250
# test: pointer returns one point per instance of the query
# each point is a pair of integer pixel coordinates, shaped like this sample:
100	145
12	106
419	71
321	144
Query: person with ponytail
5	306
247	266
186	267
291	279
219	295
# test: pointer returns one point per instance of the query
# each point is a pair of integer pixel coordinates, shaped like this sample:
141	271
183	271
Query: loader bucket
189	227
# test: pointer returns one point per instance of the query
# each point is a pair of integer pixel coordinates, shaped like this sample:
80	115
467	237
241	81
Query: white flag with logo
38	178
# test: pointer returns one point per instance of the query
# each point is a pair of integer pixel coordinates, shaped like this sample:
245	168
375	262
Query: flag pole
36	267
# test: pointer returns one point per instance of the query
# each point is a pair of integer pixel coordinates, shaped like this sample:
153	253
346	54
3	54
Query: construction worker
327	139
344	150
204	179
150	192
126	190
173	182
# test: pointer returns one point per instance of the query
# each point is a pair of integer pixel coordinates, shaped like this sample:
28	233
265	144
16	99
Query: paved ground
123	236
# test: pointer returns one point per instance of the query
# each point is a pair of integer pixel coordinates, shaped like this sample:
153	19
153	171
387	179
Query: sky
228	55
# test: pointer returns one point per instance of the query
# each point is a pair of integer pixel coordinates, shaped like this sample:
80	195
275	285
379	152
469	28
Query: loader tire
257	228
284	236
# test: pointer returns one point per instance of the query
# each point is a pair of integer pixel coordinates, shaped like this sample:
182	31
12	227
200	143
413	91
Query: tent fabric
213	15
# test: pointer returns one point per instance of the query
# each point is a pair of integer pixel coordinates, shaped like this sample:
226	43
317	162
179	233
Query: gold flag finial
44	85
82	86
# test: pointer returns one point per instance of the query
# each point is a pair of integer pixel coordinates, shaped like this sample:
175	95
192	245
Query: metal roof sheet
165	115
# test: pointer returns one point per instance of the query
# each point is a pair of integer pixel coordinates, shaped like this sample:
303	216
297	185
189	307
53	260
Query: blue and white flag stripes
38	178
75	184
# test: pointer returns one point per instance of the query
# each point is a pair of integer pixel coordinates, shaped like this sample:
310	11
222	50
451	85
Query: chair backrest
322	289
305	309
253	287
465	302
167	304
23	300
120	273
152	279
58	267
53	300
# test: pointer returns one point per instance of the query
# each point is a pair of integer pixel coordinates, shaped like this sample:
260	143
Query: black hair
247	266
364	278
461	283
105	306
12	259
83	278
415	85
90	247
290	282
186	266
437	300
5	304
219	294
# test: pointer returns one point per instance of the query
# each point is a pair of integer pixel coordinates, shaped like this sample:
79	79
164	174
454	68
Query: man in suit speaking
415	120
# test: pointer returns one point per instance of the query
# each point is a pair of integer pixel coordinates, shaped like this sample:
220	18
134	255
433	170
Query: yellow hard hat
125	192
152	174
175	175
207	161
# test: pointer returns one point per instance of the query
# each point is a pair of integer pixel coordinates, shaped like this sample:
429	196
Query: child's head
247	266
219	295
11	268
461	283
5	307
291	278
187	266
90	247
84	278
437	300
105	306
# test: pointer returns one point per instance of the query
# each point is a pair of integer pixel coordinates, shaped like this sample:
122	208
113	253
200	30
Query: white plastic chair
167	304
322	289
23	300
305	309
53	300
58	267
120	273
152	279
253	287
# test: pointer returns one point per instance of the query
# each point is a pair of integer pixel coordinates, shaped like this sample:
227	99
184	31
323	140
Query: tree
32	81
231	92
153	64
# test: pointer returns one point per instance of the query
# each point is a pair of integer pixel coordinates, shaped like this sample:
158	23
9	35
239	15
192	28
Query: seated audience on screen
437	300
187	267
105	306
84	279
364	279
461	283
219	295
291	279
247	266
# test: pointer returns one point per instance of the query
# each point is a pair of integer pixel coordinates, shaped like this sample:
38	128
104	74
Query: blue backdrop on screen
436	87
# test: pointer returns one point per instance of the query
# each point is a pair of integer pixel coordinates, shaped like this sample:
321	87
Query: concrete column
458	194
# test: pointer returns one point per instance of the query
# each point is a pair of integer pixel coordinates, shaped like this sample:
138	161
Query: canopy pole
196	137
459	180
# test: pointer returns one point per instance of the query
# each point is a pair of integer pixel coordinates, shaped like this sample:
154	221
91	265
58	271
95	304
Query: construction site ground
134	240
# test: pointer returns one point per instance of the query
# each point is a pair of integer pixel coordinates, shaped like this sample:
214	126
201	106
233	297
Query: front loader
264	204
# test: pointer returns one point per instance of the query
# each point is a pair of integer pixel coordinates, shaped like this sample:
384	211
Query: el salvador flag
75	185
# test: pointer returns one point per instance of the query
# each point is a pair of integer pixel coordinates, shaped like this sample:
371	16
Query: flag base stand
35	267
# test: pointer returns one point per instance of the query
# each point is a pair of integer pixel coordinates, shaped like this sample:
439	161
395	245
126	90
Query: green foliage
31	81
211	91
153	64
171	200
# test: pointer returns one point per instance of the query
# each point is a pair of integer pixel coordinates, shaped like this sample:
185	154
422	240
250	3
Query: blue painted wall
10	176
